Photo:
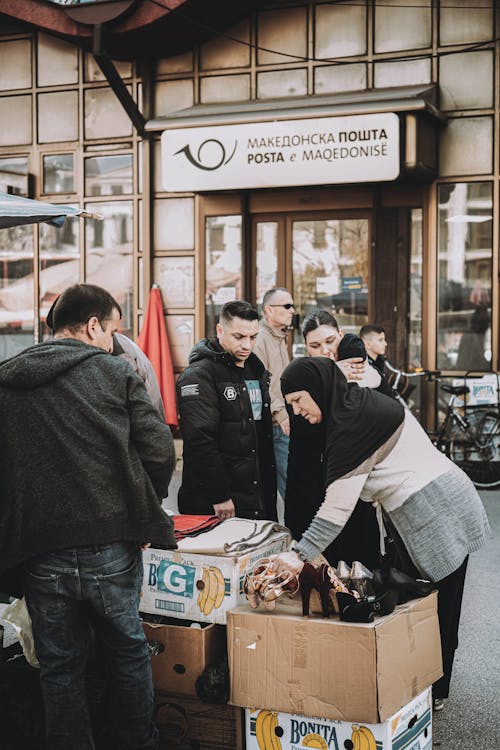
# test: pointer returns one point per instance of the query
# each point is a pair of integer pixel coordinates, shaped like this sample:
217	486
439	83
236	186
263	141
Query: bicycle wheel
477	450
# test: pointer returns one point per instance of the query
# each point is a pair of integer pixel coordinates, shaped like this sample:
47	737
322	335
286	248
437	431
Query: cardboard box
332	669
179	653
199	587
410	727
187	722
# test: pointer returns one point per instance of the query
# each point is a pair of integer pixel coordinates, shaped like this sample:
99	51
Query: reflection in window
14	175
59	263
330	271
108	245
267	258
224	263
415	291
58	173
108	175
17	314
465	237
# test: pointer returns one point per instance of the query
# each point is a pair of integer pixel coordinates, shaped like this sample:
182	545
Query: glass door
330	269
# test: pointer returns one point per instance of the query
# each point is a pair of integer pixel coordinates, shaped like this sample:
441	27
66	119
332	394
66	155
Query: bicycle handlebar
418	373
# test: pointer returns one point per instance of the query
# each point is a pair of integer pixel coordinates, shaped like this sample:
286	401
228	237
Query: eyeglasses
288	306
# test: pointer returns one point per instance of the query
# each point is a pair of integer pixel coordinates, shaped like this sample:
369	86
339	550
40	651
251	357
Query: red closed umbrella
153	341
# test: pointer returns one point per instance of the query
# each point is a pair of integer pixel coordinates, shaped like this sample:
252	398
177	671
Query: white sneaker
438	704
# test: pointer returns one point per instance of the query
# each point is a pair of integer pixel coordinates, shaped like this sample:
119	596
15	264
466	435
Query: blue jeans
65	592
281	442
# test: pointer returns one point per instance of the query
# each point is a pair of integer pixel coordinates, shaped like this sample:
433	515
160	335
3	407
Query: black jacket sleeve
199	421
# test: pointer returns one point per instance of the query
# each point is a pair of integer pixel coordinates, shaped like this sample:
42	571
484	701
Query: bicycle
468	435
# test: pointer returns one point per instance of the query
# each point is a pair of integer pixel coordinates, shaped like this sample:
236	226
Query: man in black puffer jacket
224	405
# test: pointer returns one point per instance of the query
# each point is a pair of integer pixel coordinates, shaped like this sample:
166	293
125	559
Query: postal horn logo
211	155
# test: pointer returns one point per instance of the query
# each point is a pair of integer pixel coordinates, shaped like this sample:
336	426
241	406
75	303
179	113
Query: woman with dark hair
375	449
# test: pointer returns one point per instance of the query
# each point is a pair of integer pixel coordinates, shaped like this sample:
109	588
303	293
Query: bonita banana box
408	729
199	587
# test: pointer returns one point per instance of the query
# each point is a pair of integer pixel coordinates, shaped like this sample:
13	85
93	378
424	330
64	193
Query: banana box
408	729
199	587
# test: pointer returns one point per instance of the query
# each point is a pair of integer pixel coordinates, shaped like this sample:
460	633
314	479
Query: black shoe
351	610
385	603
406	586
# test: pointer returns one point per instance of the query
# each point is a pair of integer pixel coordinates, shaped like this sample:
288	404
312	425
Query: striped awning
15	210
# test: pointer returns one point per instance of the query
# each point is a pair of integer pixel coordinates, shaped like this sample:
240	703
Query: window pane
282	83
58	117
108	175
332	78
472	23
402	73
223	266
415	291
17	315
284	30
466	146
173	95
14	175
330	259
267	258
465	240
458	79
178	64
104	115
225	89
340	31
174	224
58	173
94	73
109	247
15	120
15	65
402	24
223	53
180	330
59	263
57	61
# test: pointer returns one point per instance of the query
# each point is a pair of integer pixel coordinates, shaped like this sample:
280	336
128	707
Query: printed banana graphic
265	726
362	738
212	591
314	740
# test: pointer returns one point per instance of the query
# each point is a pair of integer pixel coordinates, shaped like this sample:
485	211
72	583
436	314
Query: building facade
347	151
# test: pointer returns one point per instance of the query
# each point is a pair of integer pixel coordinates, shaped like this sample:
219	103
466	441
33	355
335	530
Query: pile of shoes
355	593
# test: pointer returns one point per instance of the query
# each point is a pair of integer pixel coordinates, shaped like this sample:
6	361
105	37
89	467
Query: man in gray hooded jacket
85	460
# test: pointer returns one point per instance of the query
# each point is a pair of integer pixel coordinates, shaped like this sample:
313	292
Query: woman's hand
353	368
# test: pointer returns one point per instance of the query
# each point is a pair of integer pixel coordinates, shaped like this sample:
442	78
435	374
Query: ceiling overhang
400	100
145	31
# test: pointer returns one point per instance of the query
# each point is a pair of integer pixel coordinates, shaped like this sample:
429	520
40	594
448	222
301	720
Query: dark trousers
450	593
67	592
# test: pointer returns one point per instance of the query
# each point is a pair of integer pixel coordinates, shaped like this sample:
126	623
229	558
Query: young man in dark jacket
85	460
225	417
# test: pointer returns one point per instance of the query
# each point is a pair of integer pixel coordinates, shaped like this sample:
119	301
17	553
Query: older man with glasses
271	347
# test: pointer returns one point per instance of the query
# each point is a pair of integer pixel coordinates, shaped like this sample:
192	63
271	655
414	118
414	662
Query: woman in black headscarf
373	448
359	540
